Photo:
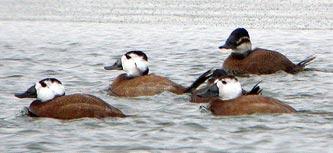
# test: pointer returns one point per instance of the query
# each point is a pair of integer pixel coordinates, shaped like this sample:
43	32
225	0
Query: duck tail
306	61
256	90
202	78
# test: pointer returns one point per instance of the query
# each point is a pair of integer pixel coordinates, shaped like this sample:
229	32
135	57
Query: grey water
73	40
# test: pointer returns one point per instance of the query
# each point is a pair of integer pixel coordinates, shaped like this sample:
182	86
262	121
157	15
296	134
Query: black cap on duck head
44	90
236	38
226	87
138	53
217	74
118	65
134	63
212	87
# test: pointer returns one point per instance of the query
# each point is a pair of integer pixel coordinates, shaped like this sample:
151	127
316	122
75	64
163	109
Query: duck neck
136	73
230	96
242	50
241	55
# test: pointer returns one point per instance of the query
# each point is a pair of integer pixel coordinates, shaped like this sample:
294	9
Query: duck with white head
52	102
217	73
137	82
232	102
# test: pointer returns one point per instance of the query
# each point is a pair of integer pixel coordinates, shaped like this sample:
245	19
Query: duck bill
222	47
225	46
30	93
116	66
212	91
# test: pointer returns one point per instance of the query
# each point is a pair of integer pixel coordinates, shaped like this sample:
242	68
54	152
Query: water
66	40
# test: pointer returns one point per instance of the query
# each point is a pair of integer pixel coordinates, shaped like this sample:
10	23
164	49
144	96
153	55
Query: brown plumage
261	61
146	85
249	104
244	60
137	81
73	107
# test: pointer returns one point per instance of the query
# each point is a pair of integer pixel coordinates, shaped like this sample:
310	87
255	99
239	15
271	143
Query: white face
49	91
244	47
135	65
229	88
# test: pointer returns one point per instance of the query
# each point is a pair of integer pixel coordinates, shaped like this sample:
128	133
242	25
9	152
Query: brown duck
217	73
137	81
232	102
52	102
244	60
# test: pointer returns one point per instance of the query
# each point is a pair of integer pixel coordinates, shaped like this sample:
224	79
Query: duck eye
43	84
224	82
127	56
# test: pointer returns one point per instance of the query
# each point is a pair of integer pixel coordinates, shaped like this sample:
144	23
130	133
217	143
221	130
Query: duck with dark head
53	103
138	82
232	102
244	60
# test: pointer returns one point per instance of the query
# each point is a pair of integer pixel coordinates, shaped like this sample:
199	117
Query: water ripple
38	46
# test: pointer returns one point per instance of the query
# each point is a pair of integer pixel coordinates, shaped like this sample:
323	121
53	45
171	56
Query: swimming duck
52	102
244	60
137	82
232	102
217	73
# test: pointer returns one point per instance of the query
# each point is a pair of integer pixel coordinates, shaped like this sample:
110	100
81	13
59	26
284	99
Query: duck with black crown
137	82
217	73
53	103
244	60
233	102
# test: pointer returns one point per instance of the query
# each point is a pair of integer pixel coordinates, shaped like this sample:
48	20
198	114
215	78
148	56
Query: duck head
134	63
238	41
44	90
226	87
217	73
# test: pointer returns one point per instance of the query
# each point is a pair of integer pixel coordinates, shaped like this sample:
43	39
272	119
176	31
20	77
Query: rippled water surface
69	43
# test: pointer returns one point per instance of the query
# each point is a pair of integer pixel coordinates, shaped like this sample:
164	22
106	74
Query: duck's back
260	61
249	104
74	106
146	85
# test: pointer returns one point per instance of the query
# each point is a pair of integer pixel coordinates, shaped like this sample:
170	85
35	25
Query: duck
245	60
214	75
138	82
51	102
232	102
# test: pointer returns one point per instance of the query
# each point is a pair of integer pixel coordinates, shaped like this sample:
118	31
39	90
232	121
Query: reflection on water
76	52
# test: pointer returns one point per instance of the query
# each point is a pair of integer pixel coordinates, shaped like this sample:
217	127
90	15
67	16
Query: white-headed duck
53	103
137	82
217	73
232	102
